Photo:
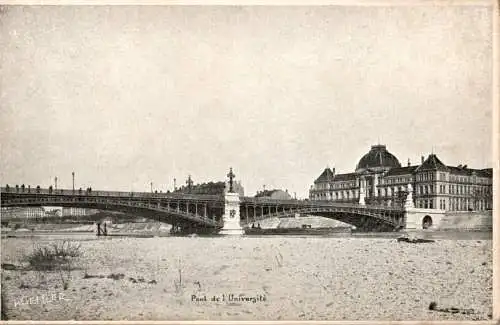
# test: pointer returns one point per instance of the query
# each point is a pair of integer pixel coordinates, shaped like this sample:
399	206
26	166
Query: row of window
453	178
461	204
344	185
456	204
469	179
453	189
404	180
425	204
389	192
337	185
428	176
336	195
430	189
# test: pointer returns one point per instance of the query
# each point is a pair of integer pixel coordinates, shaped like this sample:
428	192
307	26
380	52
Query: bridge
205	212
213	213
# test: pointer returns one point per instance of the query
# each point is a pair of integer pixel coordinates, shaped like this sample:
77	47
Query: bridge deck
121	194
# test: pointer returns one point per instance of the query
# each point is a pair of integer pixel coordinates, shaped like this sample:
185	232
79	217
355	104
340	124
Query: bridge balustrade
94	193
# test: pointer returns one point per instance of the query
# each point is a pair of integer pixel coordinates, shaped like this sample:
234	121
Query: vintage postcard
248	163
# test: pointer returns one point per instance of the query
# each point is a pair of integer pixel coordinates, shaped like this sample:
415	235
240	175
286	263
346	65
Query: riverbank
311	278
131	227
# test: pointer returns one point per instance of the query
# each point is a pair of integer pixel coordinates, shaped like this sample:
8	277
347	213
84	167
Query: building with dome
380	179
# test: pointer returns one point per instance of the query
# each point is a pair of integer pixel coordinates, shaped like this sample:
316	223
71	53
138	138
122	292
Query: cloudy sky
128	95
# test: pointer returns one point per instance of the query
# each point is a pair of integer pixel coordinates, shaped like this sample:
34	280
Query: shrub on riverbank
58	257
50	258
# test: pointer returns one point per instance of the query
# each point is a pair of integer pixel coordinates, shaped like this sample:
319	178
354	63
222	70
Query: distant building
43	212
211	188
274	194
9	213
78	212
383	181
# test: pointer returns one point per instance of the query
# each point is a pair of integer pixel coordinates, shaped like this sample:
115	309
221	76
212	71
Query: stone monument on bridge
409	198
361	192
231	217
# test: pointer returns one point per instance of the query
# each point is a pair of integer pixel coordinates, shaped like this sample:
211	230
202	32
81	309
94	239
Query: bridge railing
315	203
98	193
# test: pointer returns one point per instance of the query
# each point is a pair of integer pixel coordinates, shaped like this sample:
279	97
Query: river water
436	235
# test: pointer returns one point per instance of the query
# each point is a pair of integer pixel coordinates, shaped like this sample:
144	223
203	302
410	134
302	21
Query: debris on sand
415	240
90	276
117	276
9	267
452	310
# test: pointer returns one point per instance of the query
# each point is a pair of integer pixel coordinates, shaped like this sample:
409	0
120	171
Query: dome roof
377	157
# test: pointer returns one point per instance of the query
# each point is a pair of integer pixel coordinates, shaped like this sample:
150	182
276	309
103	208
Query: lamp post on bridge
231	176
175	184
73	176
189	183
151	187
55	183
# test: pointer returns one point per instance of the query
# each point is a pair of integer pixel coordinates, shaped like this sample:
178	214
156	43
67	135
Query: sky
129	95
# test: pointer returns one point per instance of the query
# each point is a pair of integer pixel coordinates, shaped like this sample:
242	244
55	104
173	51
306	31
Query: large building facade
380	179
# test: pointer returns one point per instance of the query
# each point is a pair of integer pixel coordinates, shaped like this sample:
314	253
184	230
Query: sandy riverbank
300	278
130	227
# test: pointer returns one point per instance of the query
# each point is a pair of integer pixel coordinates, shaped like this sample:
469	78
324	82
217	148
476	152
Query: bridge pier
231	217
418	218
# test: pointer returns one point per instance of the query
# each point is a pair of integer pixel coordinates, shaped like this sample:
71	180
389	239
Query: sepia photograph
247	162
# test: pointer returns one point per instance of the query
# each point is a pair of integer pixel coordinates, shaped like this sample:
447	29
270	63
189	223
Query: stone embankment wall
467	220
